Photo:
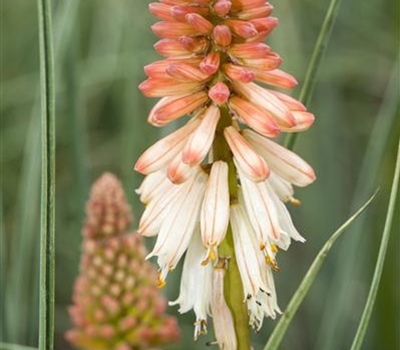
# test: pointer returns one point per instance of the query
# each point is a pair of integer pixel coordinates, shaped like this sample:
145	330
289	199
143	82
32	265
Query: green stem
312	70
233	287
47	226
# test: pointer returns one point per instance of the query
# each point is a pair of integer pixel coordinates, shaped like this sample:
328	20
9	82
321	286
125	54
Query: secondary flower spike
116	304
220	177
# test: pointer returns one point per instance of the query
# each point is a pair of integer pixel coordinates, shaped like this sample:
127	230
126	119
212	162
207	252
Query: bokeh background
100	49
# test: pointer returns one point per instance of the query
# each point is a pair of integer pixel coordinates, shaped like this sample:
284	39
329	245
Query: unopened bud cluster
220	170
116	304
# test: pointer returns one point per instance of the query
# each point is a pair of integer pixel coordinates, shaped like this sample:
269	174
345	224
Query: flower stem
233	287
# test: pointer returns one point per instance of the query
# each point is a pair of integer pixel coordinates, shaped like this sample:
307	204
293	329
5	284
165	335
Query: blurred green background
100	49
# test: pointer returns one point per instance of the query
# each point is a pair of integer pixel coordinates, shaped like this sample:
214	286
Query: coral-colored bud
222	35
172	30
178	172
275	77
170	47
290	102
195	45
171	108
303	121
179	12
162	11
236	72
219	93
210	64
199	23
265	24
256	118
222	7
250	50
258	12
154	87
243	5
267	62
185	72
242	28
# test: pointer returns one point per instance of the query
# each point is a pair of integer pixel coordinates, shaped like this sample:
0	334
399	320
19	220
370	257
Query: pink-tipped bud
265	24
222	35
258	12
243	5
185	72
179	12
252	165
219	93
195	45
170	47
199	144
267	62
222	7
161	11
210	63
239	73
290	102
303	121
165	150
199	23
250	50
242	28
275	77
256	118
154	87
178	172
172	30
169	109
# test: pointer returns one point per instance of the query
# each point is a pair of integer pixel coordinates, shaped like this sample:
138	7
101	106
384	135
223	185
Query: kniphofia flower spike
220	174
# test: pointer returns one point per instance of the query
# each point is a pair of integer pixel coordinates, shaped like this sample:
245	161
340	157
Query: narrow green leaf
305	285
362	327
7	346
47	224
316	58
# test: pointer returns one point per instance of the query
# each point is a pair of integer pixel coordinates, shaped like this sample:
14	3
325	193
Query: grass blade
283	324
47	224
312	70
362	327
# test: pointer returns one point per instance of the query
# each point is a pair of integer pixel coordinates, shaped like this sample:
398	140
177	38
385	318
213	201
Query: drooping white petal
180	221
285	220
282	161
282	188
224	328
260	210
247	252
153	185
214	217
157	209
178	172
195	288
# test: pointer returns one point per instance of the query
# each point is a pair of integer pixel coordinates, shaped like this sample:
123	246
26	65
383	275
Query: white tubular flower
214	217
158	207
247	252
179	223
152	186
224	328
195	289
282	188
260	210
285	220
283	162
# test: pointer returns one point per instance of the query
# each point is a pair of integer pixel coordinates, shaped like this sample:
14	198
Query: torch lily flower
220	177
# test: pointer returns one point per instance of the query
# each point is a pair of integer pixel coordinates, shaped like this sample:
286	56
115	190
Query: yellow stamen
296	202
160	282
273	263
274	248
